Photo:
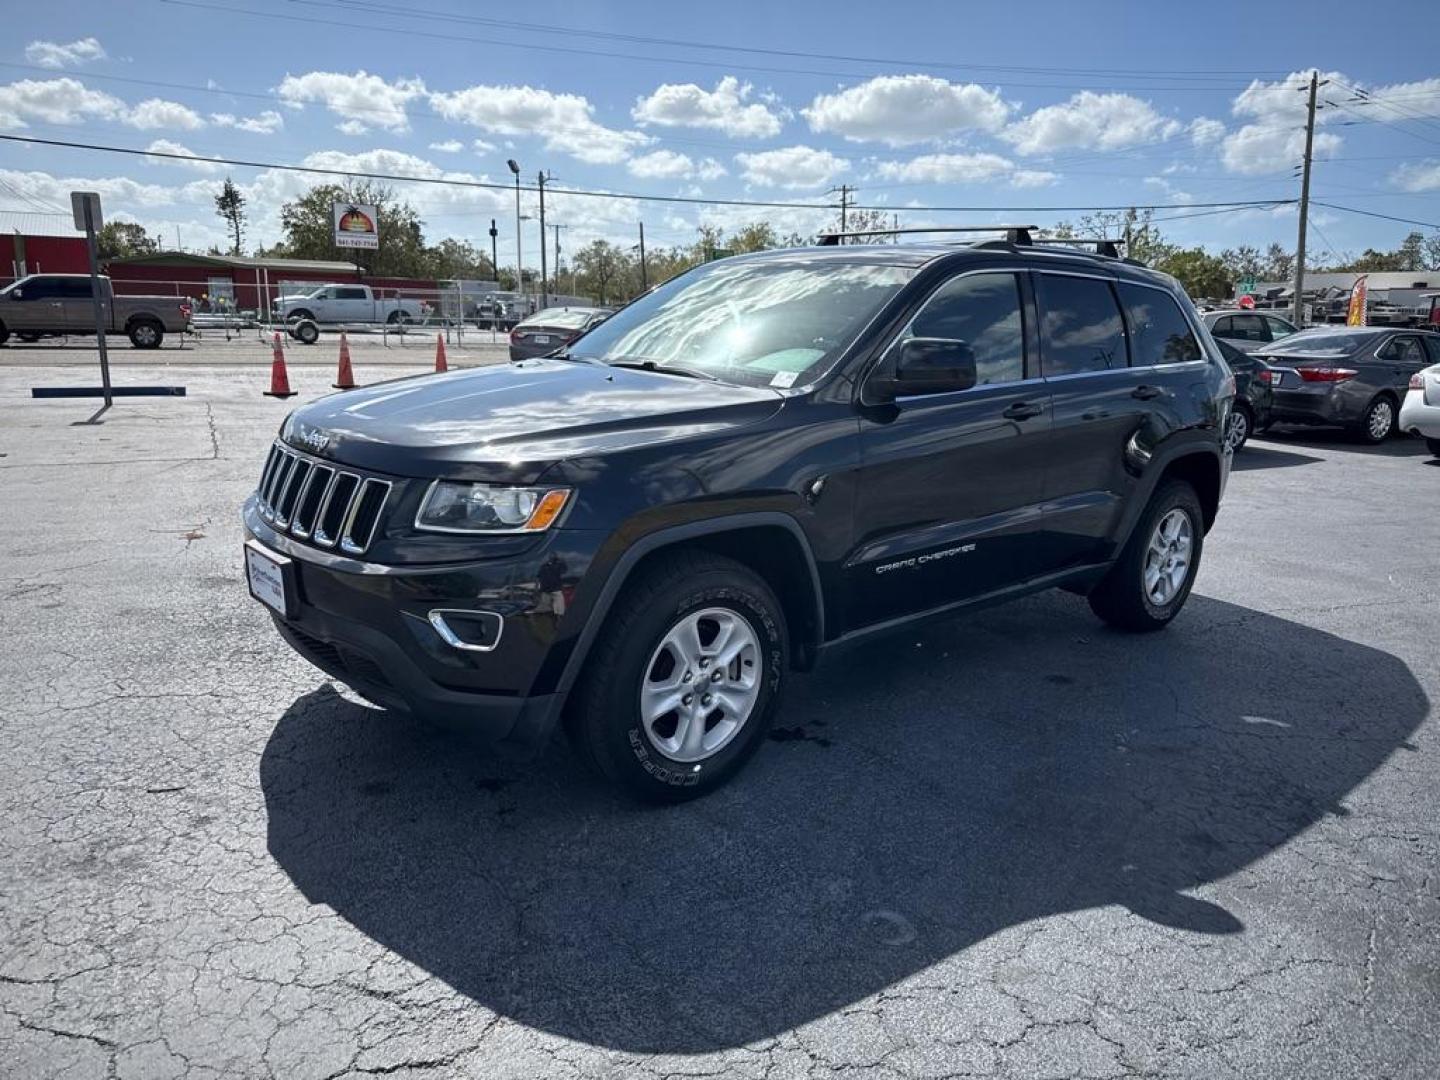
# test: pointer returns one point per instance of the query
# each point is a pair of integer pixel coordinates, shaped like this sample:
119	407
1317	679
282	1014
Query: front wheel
146	334
306	332
1150	582
1378	424
398	318
681	688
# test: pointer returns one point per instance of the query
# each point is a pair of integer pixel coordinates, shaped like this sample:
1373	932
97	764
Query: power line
681	199
1372	213
728	66
411	12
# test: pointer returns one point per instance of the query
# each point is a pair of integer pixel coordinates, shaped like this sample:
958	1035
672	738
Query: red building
245	284
24	253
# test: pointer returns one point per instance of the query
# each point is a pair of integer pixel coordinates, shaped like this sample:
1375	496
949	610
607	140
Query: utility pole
544	293
644	272
845	191
1299	305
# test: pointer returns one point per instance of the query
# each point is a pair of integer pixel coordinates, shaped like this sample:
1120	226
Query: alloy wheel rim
701	684
1381	417
145	334
1238	428
1167	558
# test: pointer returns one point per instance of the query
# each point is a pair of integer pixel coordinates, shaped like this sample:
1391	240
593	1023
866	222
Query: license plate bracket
271	578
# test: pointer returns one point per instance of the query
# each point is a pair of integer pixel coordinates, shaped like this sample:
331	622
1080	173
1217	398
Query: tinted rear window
573	320
1320	342
1159	331
1080	325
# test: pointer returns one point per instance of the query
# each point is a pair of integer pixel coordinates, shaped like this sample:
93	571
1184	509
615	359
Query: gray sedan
1353	377
548	330
1248	331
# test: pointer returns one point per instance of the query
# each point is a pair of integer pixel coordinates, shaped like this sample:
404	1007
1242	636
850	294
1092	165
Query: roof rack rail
1014	234
1103	245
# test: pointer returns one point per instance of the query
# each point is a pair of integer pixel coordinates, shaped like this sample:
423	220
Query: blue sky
1023	104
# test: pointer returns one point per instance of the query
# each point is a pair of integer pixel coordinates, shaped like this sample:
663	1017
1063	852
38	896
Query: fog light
473	631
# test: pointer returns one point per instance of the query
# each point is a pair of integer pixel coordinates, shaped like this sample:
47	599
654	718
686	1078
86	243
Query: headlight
484	508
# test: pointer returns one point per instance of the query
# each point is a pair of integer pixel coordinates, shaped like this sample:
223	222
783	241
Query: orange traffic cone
440	365
344	378
279	379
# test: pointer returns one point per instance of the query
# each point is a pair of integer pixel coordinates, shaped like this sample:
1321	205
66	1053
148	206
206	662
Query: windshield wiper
668	369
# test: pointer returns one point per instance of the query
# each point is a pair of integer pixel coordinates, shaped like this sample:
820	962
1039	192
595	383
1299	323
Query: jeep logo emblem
315	440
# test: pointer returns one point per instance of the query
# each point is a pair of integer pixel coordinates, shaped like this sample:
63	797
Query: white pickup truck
347	304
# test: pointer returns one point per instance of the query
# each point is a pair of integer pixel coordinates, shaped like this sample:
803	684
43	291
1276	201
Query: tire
307	333
1241	424
1122	598
28	338
300	315
145	334
4	333
605	718
1433	445
1378	423
398	318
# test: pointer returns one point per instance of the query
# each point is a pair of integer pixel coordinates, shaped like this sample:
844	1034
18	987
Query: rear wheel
1433	445
398	318
679	691
1150	582
1378	423
146	334
1238	428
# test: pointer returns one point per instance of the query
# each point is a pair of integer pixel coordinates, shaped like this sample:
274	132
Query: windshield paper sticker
782	379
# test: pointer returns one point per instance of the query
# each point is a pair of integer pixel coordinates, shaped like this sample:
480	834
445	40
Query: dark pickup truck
57	305
761	461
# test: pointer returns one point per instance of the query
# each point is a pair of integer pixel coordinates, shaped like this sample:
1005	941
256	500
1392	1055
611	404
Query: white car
1420	412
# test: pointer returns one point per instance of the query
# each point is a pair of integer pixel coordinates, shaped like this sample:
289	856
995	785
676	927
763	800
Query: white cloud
963	169
1204	131
193	160
483	147
1092	121
1285	98
54	101
900	110
722	109
449	146
115	192
564	121
1173	193
157	113
1419	176
266	123
351	127
52	54
362	100
1256	149
669	165
791	167
1399	99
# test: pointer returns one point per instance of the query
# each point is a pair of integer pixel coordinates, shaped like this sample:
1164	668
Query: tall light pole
494	252
544	293
519	254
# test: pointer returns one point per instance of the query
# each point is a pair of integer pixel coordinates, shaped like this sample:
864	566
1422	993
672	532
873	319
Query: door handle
1147	393
1023	410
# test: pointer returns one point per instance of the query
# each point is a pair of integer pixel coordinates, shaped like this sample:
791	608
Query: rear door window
1080	325
1279	328
1224	327
350	294
1432	346
1159	331
1405	350
72	288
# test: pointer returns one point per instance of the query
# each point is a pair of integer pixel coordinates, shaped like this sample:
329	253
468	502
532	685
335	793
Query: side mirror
931	366
16	294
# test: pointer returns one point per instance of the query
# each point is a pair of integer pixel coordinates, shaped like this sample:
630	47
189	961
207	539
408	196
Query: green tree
307	225
598	268
1200	273
1279	263
1432	251
1243	262
453	259
230	207
121	239
757	236
1412	252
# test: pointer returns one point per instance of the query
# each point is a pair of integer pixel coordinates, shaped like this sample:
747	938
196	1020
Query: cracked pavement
1012	845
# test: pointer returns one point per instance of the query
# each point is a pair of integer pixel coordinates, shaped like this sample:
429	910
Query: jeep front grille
315	501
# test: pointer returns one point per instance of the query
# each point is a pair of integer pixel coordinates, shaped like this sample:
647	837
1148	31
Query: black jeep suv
764	459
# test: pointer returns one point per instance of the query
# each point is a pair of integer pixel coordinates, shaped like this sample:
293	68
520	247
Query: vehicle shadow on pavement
1252	458
920	794
1340	439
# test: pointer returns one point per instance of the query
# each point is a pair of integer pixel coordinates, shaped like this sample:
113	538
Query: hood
512	421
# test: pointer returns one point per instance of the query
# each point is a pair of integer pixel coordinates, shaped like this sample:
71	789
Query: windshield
773	322
561	317
1329	344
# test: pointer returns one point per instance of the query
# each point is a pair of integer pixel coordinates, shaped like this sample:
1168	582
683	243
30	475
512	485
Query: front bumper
368	626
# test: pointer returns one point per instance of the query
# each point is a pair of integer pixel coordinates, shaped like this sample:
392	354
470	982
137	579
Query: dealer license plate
266	576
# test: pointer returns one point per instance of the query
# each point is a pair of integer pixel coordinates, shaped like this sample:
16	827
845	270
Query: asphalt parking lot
1017	845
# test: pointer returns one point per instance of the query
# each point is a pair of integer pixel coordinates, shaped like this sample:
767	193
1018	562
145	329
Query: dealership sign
356	225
